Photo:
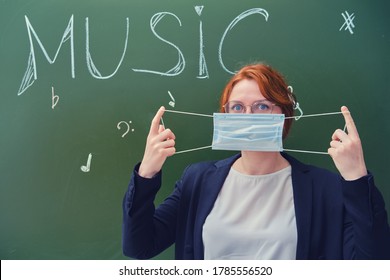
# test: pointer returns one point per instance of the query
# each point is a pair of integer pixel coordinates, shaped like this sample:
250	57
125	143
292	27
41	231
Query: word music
31	73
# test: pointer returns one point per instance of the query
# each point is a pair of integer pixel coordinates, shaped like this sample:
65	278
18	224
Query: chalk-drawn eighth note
172	102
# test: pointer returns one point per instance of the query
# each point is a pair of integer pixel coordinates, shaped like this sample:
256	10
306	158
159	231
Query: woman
257	205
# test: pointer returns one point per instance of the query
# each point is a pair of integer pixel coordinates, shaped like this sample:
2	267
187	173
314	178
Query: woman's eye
262	107
237	107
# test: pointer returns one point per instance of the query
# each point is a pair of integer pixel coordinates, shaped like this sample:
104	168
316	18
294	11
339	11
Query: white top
253	218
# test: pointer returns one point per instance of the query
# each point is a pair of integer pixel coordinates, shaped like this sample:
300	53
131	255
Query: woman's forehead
246	89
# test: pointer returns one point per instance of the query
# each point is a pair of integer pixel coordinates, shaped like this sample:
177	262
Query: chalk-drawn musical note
172	102
54	98
86	168
127	124
348	22
296	104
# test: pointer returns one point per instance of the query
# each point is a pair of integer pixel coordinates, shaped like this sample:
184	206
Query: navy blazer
336	219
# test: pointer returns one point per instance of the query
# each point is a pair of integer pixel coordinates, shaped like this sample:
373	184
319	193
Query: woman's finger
165	134
335	144
339	135
349	122
155	125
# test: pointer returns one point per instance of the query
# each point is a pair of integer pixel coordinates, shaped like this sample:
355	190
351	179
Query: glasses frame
226	107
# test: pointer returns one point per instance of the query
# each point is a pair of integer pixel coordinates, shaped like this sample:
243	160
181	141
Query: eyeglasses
258	107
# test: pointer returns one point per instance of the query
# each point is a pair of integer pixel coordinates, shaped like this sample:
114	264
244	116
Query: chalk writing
54	98
348	22
31	73
203	72
179	67
127	125
230	27
91	66
199	9
86	168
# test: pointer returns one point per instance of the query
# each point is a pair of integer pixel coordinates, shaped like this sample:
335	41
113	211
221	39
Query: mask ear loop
296	107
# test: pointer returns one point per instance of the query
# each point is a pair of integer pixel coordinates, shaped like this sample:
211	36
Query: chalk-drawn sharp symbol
127	124
348	22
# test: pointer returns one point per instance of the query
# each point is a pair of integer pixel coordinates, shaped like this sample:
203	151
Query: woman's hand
160	144
346	150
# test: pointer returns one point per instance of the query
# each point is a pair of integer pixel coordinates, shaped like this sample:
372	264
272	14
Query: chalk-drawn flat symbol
54	98
86	168
127	124
348	22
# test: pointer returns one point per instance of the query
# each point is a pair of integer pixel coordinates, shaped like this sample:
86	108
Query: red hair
272	86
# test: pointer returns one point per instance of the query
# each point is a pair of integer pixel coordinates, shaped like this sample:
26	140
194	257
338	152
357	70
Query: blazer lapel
208	195
302	191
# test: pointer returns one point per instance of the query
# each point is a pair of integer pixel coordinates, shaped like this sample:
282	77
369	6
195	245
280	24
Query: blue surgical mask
248	132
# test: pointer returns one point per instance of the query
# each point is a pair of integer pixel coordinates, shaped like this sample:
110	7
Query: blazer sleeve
366	229
147	231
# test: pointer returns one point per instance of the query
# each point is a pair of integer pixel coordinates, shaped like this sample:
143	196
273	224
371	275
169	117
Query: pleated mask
248	132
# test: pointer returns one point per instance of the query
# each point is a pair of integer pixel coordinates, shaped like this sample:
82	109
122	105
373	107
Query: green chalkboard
83	79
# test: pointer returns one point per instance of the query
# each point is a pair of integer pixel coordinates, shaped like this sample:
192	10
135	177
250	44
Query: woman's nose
248	109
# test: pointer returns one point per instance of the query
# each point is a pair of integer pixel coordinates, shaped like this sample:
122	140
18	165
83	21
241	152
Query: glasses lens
262	107
258	107
234	107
